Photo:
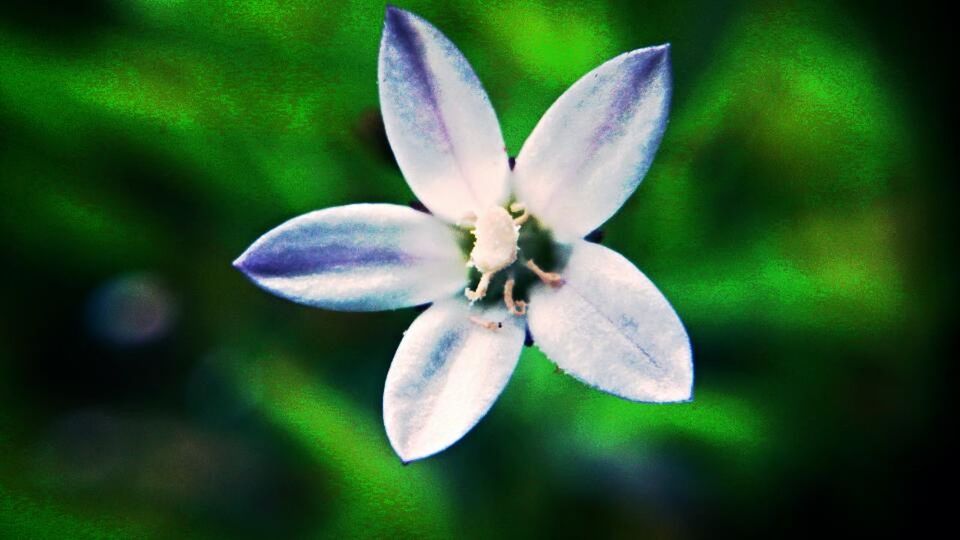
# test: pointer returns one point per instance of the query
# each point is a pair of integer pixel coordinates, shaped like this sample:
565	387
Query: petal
446	374
591	149
360	257
439	121
610	327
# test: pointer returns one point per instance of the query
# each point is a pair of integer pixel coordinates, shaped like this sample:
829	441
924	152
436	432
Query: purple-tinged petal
610	327
592	148
360	257
446	374
441	126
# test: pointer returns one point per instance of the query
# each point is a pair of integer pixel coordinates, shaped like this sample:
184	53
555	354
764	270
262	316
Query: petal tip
392	13
652	59
238	263
409	455
684	389
669	396
394	20
659	53
686	397
407	460
664	51
246	262
409	448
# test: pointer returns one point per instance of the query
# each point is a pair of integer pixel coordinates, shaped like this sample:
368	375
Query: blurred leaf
720	420
775	177
28	517
373	486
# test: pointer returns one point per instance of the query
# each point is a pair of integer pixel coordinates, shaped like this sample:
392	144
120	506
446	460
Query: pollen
496	235
495	246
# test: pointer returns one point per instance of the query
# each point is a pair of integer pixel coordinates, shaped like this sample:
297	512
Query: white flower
589	309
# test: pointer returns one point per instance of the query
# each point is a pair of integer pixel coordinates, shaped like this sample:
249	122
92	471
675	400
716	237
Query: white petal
591	149
446	374
439	120
360	257
610	327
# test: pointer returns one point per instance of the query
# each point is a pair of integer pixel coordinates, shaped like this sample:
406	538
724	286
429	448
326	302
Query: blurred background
795	216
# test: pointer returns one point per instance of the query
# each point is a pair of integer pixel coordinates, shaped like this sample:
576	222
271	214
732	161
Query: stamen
516	307
482	287
522	218
468	221
552	279
489	325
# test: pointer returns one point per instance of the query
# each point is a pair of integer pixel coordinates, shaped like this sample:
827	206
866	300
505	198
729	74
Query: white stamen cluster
495	247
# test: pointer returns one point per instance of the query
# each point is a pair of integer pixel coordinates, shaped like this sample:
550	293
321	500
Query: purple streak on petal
330	258
438	119
447	346
361	257
409	44
446	374
641	68
610	326
596	142
625	103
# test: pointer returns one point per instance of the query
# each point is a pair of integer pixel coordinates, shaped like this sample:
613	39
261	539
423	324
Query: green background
794	216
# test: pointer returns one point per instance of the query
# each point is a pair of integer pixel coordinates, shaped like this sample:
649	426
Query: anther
482	287
522	218
552	279
489	325
468	221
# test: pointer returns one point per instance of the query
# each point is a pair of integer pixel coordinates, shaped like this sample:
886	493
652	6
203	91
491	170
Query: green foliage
168	135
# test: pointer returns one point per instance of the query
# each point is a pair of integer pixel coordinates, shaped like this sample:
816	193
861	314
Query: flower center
496	245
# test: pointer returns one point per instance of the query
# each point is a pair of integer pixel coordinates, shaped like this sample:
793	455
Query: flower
588	308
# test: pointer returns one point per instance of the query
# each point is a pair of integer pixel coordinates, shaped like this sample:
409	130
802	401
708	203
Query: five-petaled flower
503	250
